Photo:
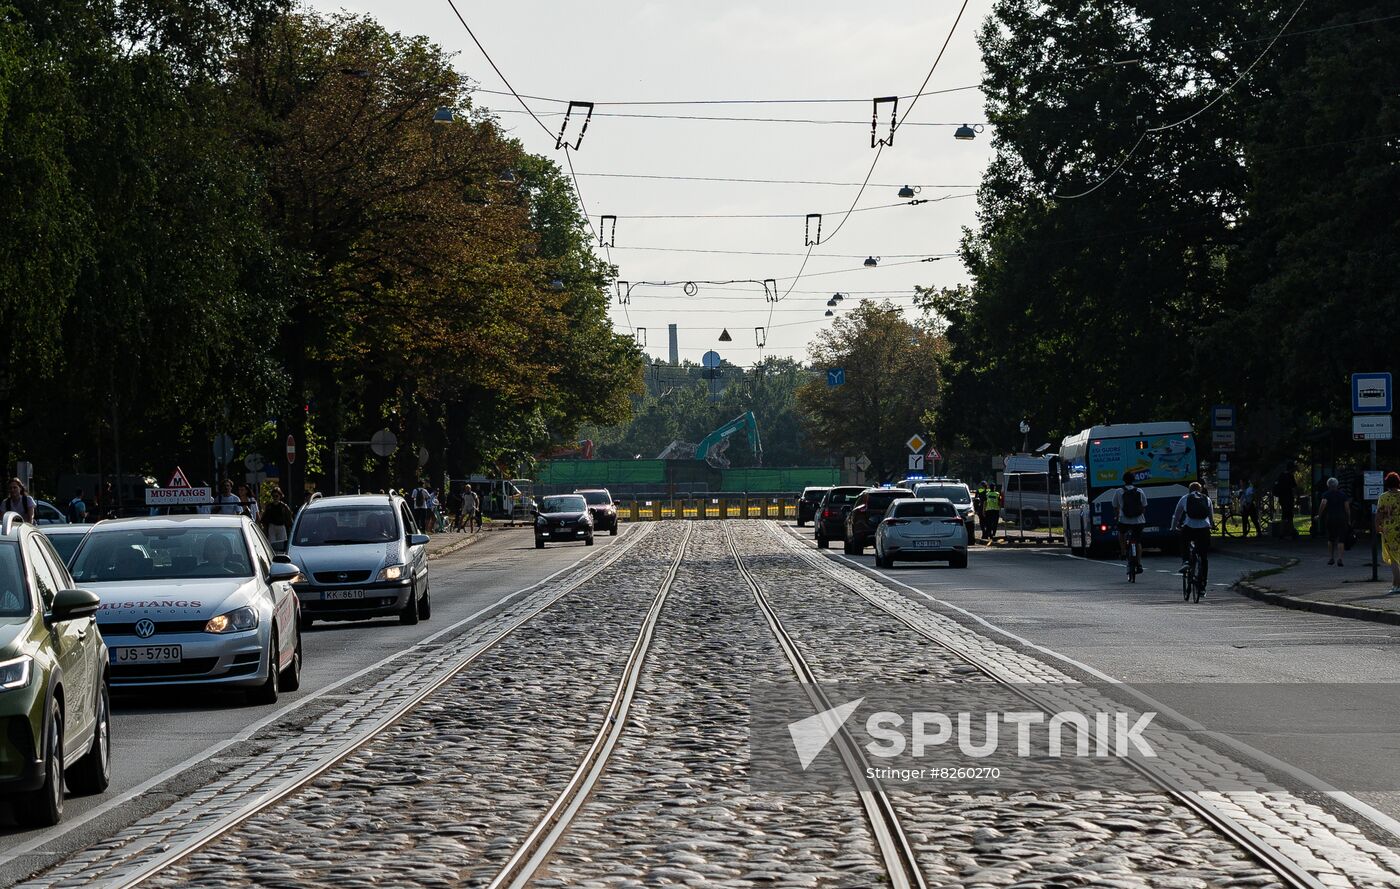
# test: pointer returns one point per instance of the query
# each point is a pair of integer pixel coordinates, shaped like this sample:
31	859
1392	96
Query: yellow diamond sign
916	443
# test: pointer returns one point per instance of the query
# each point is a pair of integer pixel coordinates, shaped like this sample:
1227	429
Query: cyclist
1195	516
1130	504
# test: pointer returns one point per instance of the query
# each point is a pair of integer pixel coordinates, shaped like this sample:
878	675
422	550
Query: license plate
335	595
925	544
1151	529
147	654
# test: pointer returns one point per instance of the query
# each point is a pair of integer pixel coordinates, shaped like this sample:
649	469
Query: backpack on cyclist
1134	502
1197	506
420	498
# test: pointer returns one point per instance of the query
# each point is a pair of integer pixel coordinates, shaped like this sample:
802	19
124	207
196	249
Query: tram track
1288	871
194	841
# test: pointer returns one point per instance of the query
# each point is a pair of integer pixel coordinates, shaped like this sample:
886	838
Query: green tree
892	384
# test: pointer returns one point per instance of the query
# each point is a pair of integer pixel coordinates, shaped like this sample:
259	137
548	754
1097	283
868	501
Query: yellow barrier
702	508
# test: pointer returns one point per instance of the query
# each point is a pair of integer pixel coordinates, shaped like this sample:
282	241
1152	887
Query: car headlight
15	673
234	621
391	572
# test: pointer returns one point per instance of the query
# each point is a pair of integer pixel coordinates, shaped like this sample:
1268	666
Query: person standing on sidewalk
1249	509
469	510
991	514
1334	513
1388	526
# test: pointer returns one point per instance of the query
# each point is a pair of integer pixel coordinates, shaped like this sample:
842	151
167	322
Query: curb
1248	587
462	544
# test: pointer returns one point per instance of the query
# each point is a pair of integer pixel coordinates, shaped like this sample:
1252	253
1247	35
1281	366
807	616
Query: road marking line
50	834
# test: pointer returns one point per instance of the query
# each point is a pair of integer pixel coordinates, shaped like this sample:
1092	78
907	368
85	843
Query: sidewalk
445	543
1302	578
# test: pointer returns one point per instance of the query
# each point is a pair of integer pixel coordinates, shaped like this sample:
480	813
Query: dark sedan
865	515
563	517
602	508
808	504
830	520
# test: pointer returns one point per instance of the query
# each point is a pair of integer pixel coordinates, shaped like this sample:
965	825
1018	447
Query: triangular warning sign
178	480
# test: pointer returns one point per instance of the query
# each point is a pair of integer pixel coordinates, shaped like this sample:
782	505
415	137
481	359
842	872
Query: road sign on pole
915	442
223	449
1222	441
1222	417
253	462
1371	427
835	376
916	462
291	450
383	442
1372	393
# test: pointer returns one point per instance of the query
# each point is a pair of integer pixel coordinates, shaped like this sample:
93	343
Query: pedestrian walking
107	502
434	507
19	502
77	508
991	514
227	502
276	521
1249	509
1334	513
469	510
1388	526
454	508
249	501
419	498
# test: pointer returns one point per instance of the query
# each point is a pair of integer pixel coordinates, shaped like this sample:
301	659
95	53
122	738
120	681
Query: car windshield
959	494
597	498
345	525
841	497
116	554
879	501
924	509
66	544
566	503
813	494
14	595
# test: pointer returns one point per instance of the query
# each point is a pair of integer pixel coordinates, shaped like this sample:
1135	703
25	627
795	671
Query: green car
54	704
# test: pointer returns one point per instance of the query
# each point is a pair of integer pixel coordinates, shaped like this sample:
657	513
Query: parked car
601	508
921	529
865	514
361	556
808	504
830	521
54	699
563	517
194	601
957	493
65	539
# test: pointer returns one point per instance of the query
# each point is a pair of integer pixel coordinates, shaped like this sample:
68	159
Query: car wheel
425	605
291	676
409	615
539	544
93	772
823	543
271	688
613	530
958	561
849	546
44	807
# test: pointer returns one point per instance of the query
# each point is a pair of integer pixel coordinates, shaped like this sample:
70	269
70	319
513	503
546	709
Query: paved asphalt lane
1223	662
156	733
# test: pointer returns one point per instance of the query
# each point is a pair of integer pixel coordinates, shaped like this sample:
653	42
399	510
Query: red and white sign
186	496
934	455
291	450
178	480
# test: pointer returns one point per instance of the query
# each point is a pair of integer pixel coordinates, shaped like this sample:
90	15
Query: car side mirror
418	540
72	605
281	572
281	559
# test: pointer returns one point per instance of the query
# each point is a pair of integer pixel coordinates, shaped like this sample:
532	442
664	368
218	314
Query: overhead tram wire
714	118
747	181
496	68
1220	94
861	101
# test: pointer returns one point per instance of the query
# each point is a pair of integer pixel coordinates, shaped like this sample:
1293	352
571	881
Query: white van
1030	486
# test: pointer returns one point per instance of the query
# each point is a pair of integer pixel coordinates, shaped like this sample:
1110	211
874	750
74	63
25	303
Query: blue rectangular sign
835	376
1222	417
1372	393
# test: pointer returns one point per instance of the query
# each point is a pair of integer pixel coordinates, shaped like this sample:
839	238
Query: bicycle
1134	556
1192	583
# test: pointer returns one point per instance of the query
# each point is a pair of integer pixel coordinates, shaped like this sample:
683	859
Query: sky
649	52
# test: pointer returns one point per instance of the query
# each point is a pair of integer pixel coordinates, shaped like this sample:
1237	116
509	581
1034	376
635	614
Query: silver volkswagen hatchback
361	556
